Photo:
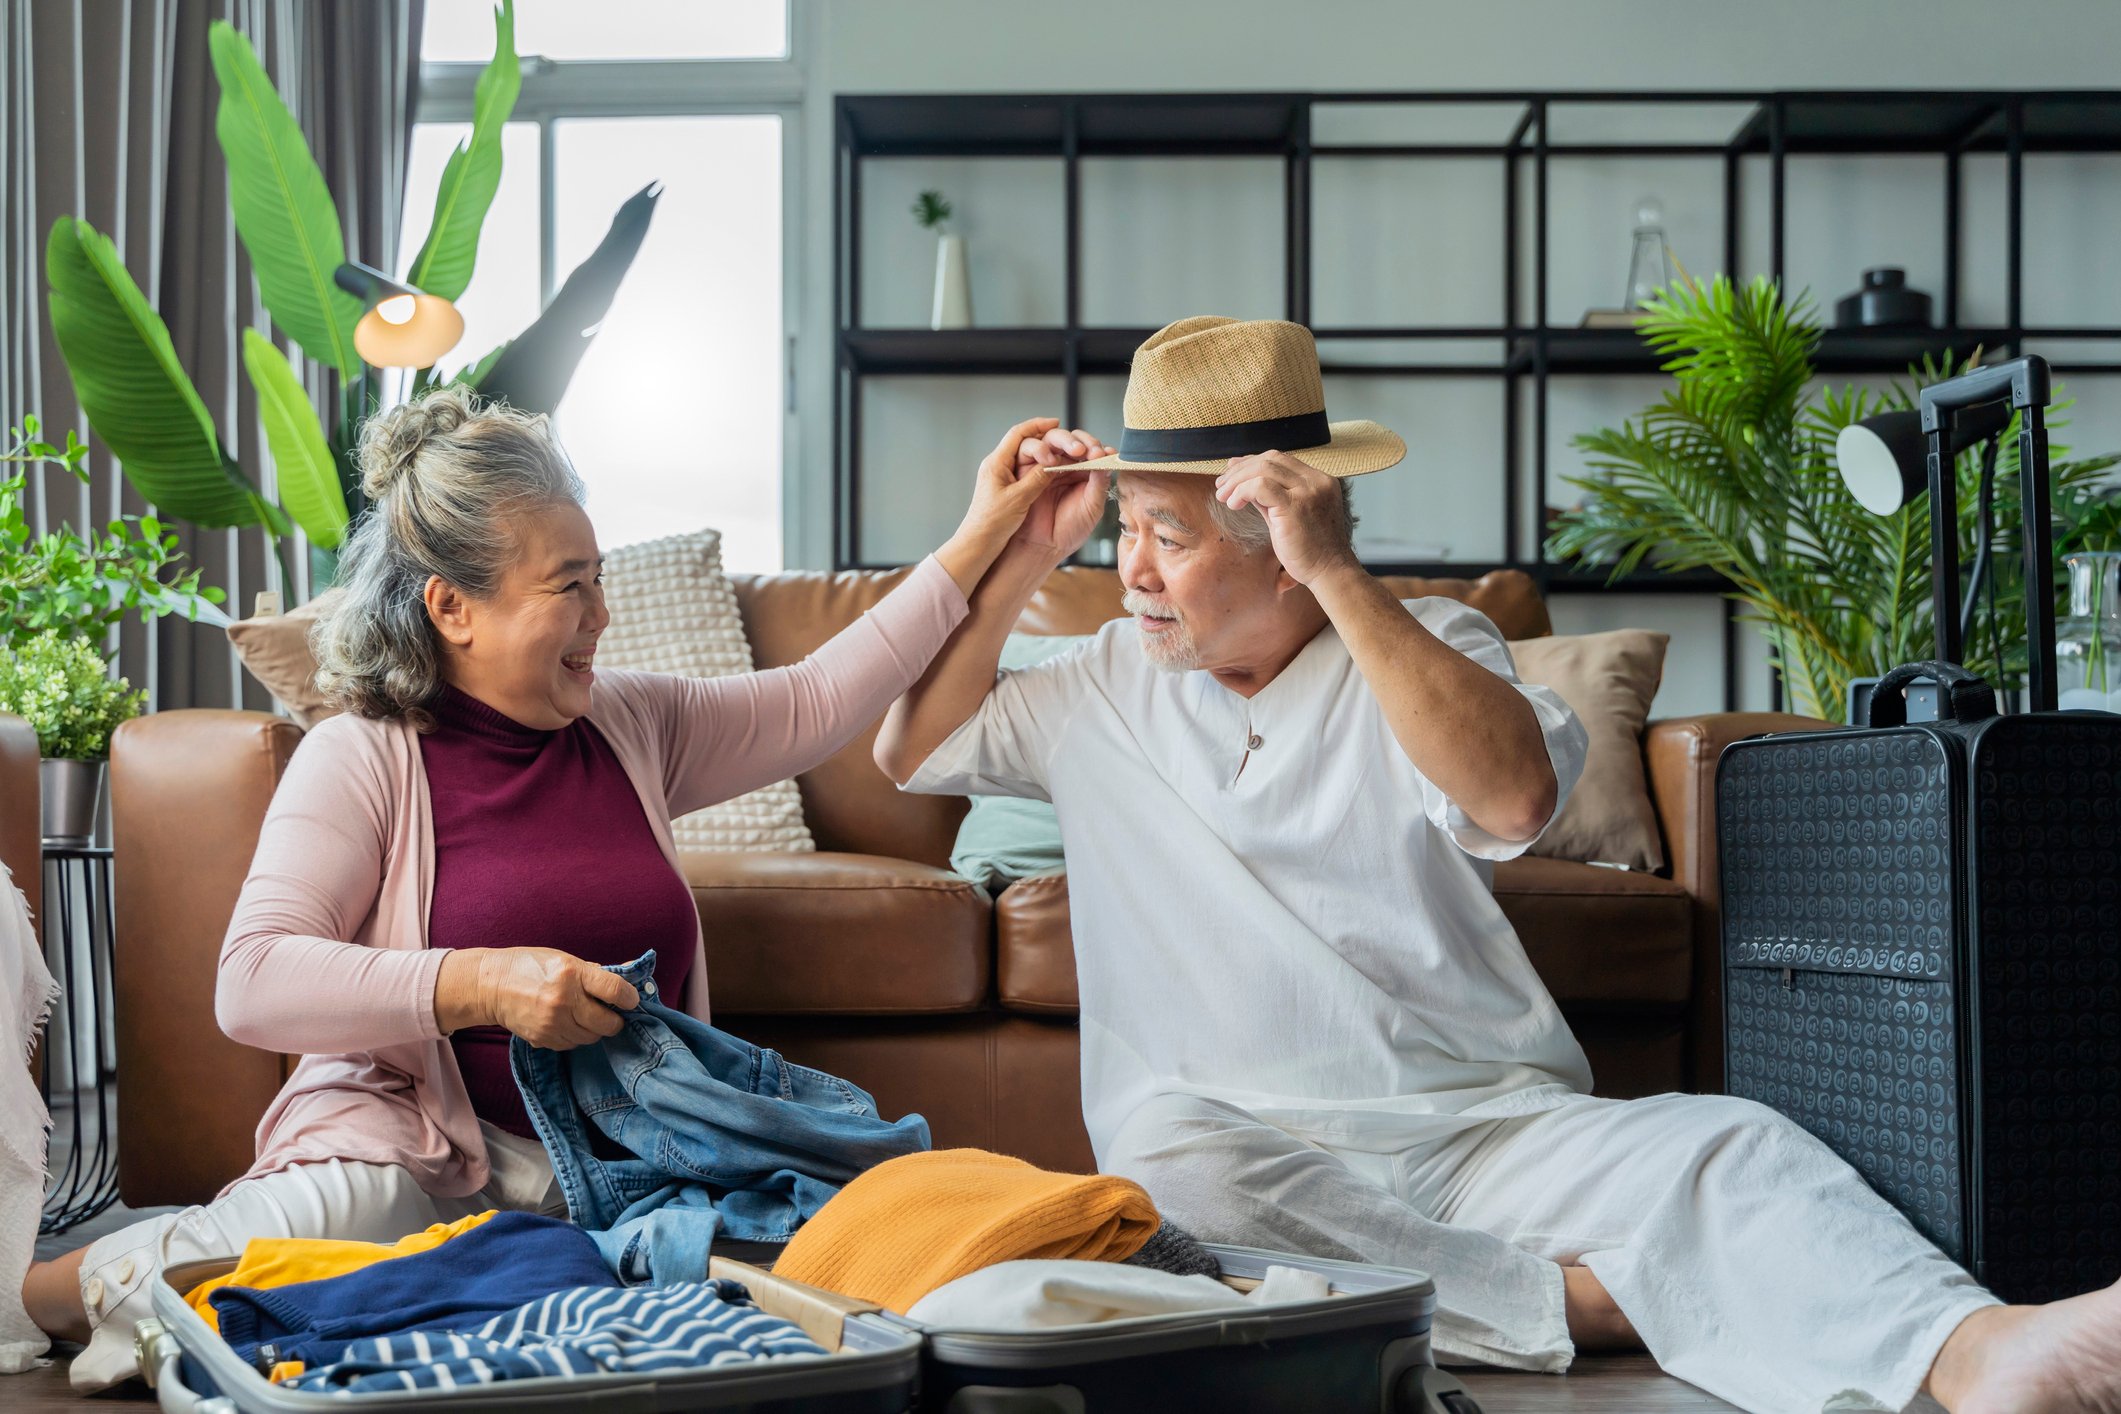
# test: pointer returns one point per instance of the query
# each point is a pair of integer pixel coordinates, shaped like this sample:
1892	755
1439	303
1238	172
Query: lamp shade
403	327
1884	460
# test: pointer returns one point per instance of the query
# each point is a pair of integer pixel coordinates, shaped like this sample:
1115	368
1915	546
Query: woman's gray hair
444	474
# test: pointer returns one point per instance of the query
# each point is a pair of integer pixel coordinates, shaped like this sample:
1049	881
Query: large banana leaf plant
138	398
1733	471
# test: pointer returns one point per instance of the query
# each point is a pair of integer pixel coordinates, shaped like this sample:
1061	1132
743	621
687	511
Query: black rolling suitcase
1922	956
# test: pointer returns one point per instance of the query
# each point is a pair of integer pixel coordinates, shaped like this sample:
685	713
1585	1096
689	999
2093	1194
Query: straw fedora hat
1207	389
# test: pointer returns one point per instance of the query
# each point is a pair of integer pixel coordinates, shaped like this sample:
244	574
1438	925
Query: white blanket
27	992
1039	1294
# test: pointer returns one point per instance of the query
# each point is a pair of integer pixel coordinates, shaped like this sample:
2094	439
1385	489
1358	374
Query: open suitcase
1365	1348
872	1369
1922	944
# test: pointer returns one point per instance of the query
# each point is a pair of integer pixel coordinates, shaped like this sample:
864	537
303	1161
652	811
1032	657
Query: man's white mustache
1136	602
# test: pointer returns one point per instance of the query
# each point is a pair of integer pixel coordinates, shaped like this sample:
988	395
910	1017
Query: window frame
559	89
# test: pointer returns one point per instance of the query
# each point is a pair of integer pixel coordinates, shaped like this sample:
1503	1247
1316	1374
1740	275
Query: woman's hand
1024	495
551	999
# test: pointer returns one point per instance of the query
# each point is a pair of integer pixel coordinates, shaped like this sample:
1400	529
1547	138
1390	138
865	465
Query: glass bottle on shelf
1650	265
2088	641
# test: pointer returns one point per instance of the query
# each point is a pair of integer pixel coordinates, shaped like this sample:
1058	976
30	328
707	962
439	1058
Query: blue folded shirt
496	1267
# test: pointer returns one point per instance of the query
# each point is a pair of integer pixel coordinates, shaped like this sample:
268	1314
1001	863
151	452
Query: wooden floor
1623	1384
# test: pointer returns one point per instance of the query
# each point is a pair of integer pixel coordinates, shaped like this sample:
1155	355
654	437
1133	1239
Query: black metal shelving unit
1532	351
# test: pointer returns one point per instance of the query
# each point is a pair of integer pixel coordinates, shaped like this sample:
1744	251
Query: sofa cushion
672	611
1608	680
839	935
1600	937
1597	937
275	650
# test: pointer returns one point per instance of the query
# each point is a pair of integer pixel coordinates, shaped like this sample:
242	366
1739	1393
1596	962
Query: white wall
1428	245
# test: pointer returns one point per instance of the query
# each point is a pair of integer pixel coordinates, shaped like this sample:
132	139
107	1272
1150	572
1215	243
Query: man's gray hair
445	474
1247	525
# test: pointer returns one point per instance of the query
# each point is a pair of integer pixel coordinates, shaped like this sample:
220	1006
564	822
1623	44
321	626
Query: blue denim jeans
722	1137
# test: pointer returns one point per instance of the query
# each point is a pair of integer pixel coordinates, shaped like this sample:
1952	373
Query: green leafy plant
63	689
81	585
1733	471
931	210
135	393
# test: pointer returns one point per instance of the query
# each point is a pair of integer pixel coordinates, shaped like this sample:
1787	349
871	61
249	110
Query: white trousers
351	1201
1753	1261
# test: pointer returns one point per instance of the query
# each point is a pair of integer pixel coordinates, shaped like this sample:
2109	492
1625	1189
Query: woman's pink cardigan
327	954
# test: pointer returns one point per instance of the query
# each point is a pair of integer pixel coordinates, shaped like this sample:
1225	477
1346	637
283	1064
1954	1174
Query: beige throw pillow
275	648
674	611
1608	679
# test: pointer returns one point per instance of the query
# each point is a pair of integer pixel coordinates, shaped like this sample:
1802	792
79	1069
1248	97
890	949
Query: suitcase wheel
1424	1389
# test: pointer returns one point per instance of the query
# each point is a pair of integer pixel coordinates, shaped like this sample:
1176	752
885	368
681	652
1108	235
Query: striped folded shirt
583	1331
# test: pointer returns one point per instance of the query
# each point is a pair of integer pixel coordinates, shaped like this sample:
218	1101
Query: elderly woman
454	859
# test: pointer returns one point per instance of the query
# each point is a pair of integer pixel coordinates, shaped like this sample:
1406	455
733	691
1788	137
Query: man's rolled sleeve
1473	634
1006	746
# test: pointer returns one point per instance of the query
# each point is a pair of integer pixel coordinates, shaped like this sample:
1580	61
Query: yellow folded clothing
283	1261
913	1223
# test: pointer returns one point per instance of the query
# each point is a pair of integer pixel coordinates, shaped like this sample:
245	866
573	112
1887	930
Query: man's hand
1303	508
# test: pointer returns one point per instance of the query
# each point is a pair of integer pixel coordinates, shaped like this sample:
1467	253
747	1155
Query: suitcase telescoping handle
1965	697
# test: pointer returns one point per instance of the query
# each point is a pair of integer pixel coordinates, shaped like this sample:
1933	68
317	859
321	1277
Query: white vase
953	286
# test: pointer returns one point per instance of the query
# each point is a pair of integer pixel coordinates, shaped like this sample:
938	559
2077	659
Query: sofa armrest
21	822
1679	755
189	791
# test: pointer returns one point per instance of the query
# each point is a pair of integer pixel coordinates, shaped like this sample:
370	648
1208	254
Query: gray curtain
107	112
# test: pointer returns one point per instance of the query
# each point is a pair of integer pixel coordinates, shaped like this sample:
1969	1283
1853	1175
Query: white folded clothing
1038	1295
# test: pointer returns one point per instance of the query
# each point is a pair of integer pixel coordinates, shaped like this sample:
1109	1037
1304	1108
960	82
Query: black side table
79	1041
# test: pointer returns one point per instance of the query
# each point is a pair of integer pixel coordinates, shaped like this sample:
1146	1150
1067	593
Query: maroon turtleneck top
540	841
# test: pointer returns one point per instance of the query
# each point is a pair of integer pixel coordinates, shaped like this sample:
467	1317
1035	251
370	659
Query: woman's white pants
352	1201
1753	1261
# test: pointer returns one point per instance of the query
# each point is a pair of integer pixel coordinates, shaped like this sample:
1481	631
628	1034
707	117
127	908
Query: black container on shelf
1885	301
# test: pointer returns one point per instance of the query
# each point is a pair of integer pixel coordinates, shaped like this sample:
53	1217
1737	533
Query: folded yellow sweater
913	1223
283	1261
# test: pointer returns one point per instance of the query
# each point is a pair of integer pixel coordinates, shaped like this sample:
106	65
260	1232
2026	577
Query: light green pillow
1003	838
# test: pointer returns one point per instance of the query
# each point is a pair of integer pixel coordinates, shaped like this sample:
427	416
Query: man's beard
1171	649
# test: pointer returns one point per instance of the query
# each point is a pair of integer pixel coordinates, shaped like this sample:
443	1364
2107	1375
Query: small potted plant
60	595
62	687
953	286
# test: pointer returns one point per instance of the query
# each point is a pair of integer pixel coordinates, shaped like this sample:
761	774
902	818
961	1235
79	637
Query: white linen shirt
1271	905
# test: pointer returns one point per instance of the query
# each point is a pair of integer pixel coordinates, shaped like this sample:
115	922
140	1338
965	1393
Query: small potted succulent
61	594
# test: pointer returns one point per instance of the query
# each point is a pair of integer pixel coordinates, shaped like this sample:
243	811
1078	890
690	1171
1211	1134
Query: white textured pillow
673	611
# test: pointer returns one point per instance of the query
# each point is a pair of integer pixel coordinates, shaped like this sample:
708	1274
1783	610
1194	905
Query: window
461	31
677	417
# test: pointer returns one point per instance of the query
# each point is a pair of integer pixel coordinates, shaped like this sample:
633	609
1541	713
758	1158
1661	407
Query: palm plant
137	397
1733	471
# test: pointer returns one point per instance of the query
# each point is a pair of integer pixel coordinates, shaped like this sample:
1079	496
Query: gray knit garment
1173	1249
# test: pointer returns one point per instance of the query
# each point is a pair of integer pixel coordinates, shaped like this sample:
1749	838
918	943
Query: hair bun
391	440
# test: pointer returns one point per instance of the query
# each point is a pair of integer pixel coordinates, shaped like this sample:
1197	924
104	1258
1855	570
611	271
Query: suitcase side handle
1966	697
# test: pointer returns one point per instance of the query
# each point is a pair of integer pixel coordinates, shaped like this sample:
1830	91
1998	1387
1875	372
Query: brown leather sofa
870	958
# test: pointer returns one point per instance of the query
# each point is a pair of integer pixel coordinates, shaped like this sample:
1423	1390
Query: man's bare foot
1596	1321
2061	1358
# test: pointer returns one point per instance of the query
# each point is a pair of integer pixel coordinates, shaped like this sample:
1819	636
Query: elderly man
1306	1024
